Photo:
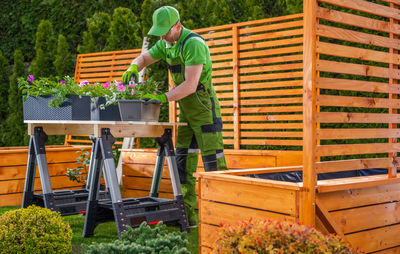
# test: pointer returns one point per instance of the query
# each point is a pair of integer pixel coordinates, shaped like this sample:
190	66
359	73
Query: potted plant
131	107
46	99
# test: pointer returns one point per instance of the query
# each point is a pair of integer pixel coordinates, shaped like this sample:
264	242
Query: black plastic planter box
136	110
72	108
109	113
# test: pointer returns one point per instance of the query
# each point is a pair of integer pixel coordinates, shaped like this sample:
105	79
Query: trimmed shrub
34	230
144	239
269	236
95	38
63	62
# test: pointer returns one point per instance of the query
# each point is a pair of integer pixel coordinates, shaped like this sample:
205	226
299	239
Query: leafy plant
34	230
144	239
79	174
269	236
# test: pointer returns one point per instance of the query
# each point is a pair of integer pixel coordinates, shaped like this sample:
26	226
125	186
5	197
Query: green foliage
294	6
269	236
98	31
14	130
34	230
124	30
144	239
42	65
63	62
4	85
79	174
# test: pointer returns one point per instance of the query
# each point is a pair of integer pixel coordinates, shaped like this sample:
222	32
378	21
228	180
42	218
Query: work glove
131	72
156	99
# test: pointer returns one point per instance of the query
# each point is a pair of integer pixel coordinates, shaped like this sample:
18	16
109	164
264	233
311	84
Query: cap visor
158	30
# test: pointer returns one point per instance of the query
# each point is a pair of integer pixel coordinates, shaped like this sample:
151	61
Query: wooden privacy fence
350	122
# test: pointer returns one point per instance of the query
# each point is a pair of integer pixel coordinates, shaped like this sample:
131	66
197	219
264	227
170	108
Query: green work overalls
202	113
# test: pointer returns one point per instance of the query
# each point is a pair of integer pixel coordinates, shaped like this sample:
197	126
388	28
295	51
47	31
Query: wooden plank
144	183
378	239
204	250
274	43
277	142
365	6
270	52
270	27
208	234
17	186
327	220
307	211
218	213
269	101
344	117
357	133
270	60
280	92
140	170
354	164
18	172
236	87
350	198
353	220
331	150
131	193
264	109
280	67
271	35
249	195
355	182
356	20
359	37
282	75
281	134
255	126
394	250
356	69
357	85
362	102
356	53
274	84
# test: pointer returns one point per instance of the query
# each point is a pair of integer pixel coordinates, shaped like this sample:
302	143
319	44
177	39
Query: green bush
269	236
34	230
144	239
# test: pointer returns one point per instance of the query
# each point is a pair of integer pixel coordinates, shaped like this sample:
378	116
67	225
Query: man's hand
132	71
157	99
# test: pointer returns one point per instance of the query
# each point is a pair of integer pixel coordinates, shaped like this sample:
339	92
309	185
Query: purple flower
31	78
121	88
84	83
62	82
106	85
173	88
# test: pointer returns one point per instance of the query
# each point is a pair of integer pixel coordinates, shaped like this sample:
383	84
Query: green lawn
105	232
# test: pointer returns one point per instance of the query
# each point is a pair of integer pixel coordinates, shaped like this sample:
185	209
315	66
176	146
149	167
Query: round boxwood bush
34	230
270	236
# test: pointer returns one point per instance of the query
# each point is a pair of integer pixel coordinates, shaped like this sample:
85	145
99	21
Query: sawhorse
133	211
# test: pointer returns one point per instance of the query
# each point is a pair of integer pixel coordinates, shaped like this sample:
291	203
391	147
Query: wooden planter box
357	208
13	168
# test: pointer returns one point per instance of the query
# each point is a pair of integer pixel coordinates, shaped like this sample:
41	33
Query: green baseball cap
163	19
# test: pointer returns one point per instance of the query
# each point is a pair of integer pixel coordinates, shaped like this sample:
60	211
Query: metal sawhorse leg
67	202
133	211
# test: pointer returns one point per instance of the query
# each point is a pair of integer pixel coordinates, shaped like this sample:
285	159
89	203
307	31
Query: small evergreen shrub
269	236
34	230
144	239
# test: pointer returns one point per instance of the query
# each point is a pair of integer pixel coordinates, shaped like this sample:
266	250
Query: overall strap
187	38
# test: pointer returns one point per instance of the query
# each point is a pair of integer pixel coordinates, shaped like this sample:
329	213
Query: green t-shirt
195	51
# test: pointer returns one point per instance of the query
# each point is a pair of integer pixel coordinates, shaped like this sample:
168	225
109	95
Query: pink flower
119	83
155	93
121	88
31	78
132	92
62	82
84	83
132	84
173	88
106	85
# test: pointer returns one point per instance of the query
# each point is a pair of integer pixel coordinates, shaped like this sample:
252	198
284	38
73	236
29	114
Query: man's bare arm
144	60
189	86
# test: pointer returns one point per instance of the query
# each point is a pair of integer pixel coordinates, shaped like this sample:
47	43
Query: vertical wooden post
392	172
235	61
307	215
172	110
77	67
111	74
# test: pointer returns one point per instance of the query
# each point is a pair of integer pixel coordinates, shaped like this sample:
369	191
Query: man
189	61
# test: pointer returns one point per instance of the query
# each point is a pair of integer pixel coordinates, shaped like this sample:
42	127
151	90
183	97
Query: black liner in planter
73	107
136	110
297	176
109	113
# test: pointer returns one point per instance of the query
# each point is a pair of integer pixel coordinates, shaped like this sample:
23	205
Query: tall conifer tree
63	62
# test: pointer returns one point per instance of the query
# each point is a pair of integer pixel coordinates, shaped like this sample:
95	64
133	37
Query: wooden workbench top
117	128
